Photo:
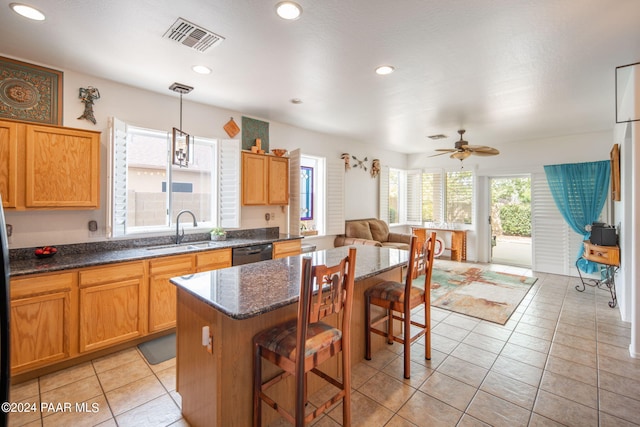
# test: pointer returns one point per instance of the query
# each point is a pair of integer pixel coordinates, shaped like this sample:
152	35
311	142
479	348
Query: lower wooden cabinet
112	305
287	248
213	260
43	322
162	294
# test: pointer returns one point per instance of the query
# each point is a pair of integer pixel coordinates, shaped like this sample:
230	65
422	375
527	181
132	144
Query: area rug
476	291
159	350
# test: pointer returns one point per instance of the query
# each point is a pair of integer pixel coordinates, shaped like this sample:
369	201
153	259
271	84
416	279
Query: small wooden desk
609	256
458	241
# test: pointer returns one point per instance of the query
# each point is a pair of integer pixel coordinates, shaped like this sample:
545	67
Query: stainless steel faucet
180	236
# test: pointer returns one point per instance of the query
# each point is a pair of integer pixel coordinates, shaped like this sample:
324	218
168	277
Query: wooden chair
390	296
299	346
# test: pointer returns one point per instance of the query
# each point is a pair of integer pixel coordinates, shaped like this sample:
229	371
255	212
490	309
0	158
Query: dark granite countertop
23	261
246	291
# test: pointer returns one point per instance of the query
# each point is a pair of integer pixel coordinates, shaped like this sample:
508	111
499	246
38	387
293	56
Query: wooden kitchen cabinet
213	260
8	163
43	320
162	294
113	305
49	167
287	248
265	179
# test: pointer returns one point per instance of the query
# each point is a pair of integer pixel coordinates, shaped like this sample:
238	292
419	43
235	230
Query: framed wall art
29	92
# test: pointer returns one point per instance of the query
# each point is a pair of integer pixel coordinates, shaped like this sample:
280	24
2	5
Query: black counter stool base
392	297
300	345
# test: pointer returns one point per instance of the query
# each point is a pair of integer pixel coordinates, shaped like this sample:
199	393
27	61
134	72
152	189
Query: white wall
161	111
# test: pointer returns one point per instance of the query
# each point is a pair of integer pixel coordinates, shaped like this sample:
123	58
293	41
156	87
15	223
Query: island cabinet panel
43	323
213	260
162	294
113	305
62	168
278	181
287	248
8	163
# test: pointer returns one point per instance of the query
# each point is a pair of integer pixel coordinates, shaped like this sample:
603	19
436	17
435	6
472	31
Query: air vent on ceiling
438	136
190	35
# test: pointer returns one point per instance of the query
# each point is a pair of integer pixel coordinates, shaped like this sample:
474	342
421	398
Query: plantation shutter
229	183
334	196
294	192
432	200
117	178
459	197
384	194
414	197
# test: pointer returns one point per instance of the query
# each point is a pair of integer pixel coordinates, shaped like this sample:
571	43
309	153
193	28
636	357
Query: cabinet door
8	163
213	260
162	293
278	180
62	168
112	304
43	324
255	179
287	248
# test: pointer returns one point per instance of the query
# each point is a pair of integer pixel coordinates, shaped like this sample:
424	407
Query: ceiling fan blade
482	150
440	154
448	150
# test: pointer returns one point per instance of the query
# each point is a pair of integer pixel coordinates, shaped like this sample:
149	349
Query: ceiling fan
463	150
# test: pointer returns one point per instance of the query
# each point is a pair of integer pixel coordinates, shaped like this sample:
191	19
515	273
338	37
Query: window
147	191
306	193
312	195
414	197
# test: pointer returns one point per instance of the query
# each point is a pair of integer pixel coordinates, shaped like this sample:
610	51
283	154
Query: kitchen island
235	303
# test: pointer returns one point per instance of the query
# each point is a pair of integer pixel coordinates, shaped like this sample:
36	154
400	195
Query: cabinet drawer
602	254
215	259
182	263
288	248
116	272
41	284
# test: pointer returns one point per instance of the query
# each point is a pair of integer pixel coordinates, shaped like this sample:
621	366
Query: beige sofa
373	232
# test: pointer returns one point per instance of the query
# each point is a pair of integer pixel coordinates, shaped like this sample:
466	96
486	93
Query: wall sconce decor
87	96
375	168
359	163
181	141
346	158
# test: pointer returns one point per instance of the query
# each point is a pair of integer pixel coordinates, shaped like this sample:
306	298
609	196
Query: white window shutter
229	183
383	213
334	197
294	192
414	197
117	180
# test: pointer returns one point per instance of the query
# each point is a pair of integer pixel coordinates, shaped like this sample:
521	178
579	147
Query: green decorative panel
253	129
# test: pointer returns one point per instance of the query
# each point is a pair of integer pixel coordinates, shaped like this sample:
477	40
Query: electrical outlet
267	216
273	215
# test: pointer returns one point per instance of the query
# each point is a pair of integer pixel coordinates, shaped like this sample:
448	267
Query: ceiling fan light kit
463	150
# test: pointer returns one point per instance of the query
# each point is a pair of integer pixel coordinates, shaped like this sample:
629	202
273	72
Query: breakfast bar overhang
236	303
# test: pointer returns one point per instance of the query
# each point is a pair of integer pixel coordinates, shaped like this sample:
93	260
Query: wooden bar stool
300	345
391	296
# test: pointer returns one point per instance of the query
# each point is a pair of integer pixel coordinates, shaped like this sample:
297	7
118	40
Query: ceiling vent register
193	36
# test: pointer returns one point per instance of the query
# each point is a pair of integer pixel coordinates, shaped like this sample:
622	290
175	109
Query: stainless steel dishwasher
248	254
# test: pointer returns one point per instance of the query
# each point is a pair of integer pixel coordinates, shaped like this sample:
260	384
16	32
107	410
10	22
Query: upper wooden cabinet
49	167
265	179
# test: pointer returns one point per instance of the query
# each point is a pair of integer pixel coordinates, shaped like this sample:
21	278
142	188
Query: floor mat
160	349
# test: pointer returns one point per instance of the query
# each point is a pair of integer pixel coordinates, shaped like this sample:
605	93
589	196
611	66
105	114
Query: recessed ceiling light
383	70
27	11
296	101
288	10
201	69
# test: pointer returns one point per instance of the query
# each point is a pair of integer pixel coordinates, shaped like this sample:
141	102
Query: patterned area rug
473	290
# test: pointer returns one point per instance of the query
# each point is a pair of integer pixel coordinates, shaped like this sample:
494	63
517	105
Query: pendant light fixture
181	141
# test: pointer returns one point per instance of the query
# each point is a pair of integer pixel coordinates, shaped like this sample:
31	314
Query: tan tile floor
562	359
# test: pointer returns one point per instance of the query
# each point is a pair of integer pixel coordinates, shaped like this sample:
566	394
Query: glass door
511	220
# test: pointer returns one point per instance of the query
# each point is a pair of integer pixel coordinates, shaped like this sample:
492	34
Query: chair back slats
330	292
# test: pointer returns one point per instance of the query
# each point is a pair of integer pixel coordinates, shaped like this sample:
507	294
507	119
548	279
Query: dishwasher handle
252	250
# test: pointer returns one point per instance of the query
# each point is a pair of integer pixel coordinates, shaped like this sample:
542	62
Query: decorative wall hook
87	96
360	163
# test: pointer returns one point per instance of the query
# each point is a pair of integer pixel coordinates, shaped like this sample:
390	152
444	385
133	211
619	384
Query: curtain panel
580	191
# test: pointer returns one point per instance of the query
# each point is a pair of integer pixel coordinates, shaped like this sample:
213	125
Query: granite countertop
23	261
248	290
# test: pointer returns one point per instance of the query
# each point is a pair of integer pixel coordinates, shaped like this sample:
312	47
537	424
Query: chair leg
346	383
257	386
389	326
367	327
427	332
407	344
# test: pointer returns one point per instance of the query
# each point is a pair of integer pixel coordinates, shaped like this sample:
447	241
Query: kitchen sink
182	247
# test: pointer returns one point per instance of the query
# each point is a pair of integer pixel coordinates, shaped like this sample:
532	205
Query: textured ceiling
507	71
